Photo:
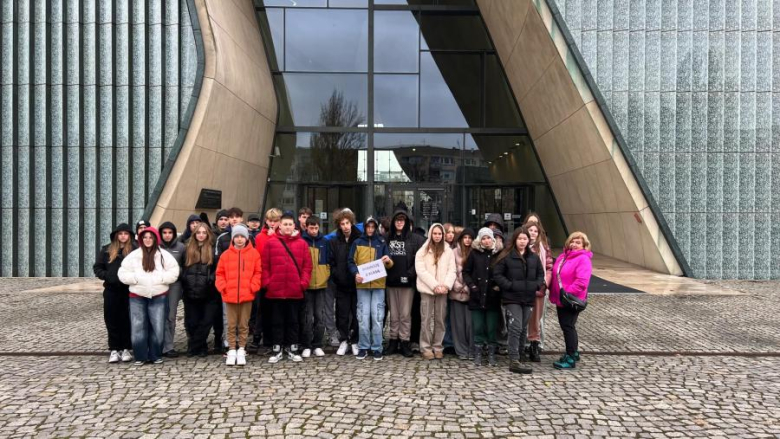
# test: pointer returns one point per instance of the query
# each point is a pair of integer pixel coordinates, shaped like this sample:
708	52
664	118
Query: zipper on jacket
238	289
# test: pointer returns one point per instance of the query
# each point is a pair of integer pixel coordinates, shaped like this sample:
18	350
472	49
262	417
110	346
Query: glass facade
388	104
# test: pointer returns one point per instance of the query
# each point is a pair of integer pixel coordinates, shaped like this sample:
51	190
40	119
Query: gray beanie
484	232
239	229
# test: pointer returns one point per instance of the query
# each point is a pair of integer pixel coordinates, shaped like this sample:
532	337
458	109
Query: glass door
424	205
512	203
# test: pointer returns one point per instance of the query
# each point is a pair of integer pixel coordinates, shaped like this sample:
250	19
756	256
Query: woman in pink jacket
571	271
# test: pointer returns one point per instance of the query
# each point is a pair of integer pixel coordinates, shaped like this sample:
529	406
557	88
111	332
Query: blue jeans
147	326
371	317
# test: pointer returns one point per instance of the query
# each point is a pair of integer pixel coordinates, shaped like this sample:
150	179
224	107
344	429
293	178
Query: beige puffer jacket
459	291
430	275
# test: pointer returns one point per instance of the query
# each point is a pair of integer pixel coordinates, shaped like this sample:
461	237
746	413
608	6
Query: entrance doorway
323	200
426	205
512	203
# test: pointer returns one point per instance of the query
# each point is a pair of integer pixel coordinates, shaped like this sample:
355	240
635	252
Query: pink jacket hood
575	274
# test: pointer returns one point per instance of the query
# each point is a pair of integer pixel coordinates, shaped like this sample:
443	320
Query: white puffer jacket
430	275
142	283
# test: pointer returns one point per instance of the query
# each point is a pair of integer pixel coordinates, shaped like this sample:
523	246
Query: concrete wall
229	140
589	175
695	88
93	95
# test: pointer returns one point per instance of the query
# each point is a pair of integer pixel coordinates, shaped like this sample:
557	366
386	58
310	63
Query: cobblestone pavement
635	395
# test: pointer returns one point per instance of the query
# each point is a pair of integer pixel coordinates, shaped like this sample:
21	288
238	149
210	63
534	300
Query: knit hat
140	223
484	232
239	229
222	213
254	217
498	234
467	231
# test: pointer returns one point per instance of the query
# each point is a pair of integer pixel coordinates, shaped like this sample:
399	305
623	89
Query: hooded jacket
478	277
199	281
149	284
239	274
187	233
282	279
495	218
402	248
319	251
575	275
225	240
338	256
519	279
175	248
107	271
431	274
367	249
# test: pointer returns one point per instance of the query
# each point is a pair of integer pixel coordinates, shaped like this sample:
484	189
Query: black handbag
569	301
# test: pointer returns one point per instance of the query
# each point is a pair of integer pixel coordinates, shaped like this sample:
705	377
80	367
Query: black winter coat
198	282
478	276
338	258
519	281
107	272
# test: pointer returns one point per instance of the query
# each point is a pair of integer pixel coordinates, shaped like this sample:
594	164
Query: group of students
454	289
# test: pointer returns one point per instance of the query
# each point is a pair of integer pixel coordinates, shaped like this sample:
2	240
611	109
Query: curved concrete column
230	137
597	191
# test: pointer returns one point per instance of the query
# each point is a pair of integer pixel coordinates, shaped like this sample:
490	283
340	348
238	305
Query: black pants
198	319
116	314
567	318
346	315
285	320
312	322
414	335
264	324
218	325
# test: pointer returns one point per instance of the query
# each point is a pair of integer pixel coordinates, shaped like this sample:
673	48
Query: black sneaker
378	355
171	354
362	354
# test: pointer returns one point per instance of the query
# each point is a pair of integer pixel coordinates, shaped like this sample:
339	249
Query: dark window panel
454	31
311	99
450	90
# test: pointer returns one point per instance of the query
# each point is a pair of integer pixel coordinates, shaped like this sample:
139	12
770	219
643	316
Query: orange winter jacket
238	274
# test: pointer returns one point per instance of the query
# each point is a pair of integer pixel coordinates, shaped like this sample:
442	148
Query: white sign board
324	215
507	216
372	271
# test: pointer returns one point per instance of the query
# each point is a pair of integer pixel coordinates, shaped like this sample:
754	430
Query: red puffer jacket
281	278
238	274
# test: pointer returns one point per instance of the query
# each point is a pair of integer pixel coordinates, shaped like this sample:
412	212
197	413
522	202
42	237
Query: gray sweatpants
517	325
460	325
174	297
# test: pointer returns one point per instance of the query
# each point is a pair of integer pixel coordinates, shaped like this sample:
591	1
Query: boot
478	355
392	347
576	356
517	367
536	351
406	349
492	355
567	362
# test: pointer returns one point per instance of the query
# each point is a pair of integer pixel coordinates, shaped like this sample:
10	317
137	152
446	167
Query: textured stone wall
93	95
694	86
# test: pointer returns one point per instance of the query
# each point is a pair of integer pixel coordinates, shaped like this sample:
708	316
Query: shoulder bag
568	300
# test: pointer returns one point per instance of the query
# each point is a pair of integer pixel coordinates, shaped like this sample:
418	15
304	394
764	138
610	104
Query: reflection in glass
417	157
331	40
322	99
443	99
348	3
297	3
272	26
396	42
395	100
333	157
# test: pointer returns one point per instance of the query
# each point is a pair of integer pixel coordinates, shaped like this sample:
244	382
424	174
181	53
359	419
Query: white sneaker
355	349
276	355
241	357
293	355
231	358
319	352
113	357
126	356
342	348
306	353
